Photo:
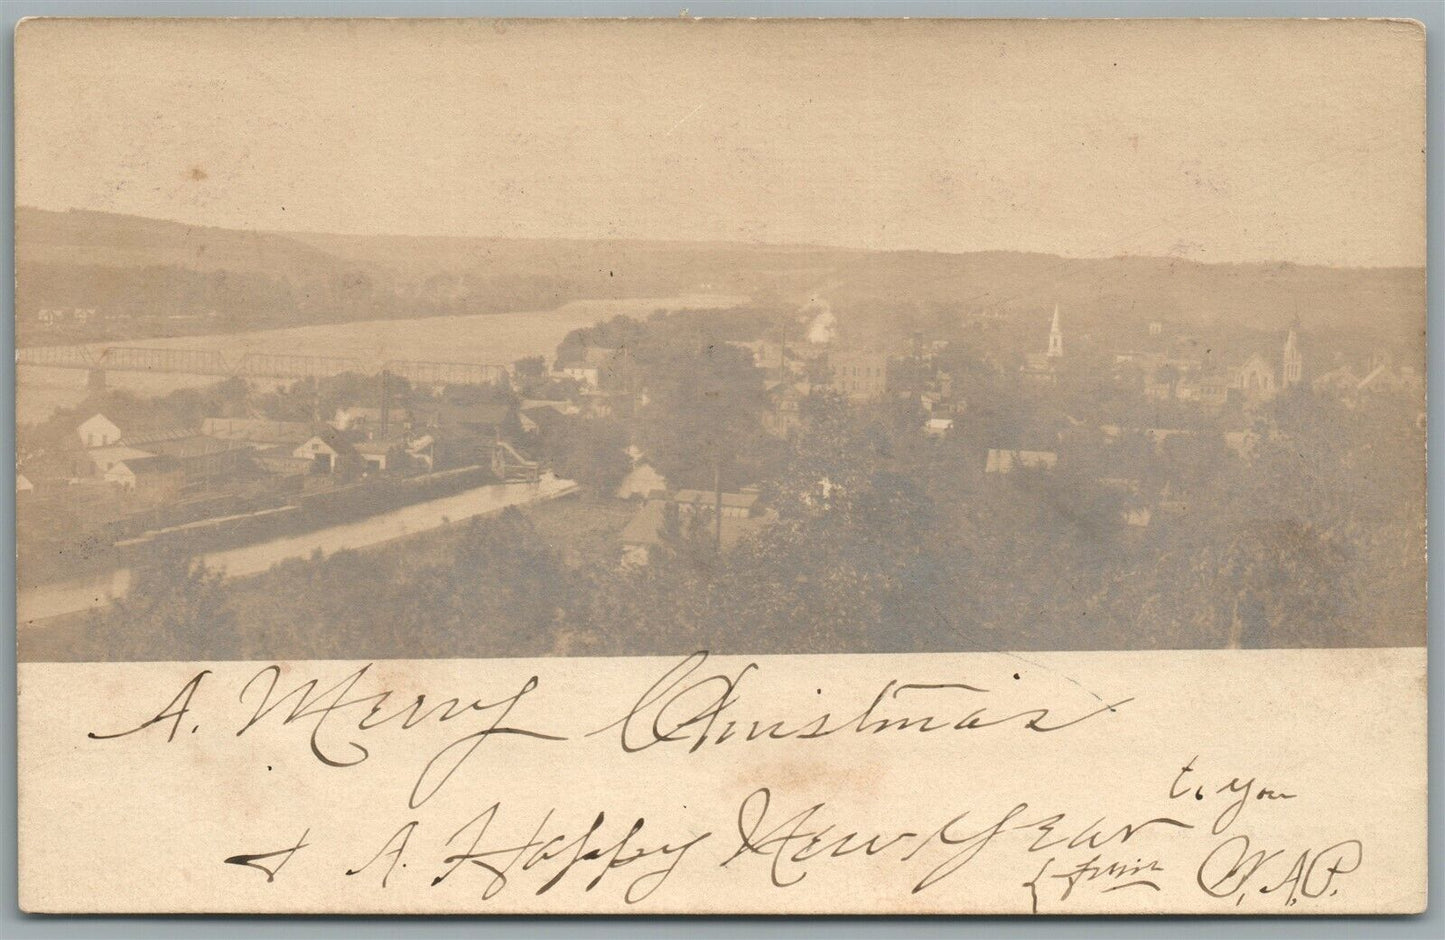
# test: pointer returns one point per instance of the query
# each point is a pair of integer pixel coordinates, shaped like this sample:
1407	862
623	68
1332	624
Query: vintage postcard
860	466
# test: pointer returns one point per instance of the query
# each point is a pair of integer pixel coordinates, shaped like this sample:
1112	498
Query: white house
642	480
98	431
588	375
1006	461
938	427
326	453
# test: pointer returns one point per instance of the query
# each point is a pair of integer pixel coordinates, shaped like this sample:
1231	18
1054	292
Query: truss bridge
255	365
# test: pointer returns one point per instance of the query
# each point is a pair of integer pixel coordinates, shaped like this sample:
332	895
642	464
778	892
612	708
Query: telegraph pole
717	502
385	402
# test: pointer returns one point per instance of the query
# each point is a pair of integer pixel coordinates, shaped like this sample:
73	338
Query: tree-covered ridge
132	278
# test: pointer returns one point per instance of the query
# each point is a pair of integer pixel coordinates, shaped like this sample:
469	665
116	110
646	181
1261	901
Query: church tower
1294	363
1056	337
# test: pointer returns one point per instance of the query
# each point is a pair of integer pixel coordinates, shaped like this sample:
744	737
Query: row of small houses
157	464
731	517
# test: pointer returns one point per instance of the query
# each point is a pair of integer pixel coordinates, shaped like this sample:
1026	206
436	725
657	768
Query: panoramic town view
236	445
521	338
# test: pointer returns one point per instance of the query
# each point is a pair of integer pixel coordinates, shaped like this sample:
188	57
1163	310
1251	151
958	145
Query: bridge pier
95	380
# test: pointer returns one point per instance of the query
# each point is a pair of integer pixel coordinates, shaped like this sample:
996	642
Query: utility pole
717	502
385	402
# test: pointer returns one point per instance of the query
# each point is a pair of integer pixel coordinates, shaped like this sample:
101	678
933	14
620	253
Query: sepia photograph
1049	376
508	365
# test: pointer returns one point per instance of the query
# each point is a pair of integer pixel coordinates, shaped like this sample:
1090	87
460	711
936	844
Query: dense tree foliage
1295	522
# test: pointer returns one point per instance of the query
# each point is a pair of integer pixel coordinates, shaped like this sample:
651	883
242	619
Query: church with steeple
1294	362
1043	366
1257	379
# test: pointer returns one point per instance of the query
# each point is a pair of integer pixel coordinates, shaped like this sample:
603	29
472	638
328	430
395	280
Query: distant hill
148	277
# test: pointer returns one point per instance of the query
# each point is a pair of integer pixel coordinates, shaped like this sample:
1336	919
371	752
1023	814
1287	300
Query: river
500	338
38	603
484	338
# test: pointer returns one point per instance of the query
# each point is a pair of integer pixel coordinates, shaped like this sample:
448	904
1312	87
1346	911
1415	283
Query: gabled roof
279	459
331	438
136	424
545	417
643	528
1256	360
257	430
383	446
1343	375
1374	374
642	480
102	417
156	464
194	445
780	389
517	457
115	453
153	434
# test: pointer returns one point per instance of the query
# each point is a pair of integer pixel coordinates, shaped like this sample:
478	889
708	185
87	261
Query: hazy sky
1214	141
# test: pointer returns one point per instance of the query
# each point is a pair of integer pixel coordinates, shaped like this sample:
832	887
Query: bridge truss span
290	366
446	373
254	365
56	357
143	359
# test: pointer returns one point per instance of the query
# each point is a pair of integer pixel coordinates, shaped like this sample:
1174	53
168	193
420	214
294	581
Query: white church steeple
1056	337
1293	358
